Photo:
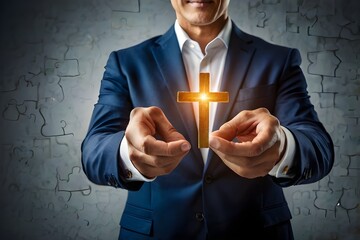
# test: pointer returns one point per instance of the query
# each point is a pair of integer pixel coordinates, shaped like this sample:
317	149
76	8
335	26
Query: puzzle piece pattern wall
51	63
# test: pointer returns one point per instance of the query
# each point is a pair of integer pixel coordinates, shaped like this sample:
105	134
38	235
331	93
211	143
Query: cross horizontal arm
197	97
188	97
218	97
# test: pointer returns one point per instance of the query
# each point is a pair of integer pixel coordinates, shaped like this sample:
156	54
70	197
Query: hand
154	157
260	143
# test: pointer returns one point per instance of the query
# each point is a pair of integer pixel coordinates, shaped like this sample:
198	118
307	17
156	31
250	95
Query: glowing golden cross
204	96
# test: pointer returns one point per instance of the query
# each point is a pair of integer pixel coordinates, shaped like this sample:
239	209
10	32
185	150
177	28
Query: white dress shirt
213	62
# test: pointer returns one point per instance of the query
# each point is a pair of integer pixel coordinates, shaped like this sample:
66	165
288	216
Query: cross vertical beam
204	97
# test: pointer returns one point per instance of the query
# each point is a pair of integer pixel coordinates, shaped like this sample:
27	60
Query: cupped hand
259	145
155	146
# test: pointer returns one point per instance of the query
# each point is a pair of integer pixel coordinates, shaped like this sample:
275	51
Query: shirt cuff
132	174
281	169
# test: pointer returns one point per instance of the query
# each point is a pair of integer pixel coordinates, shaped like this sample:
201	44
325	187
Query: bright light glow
203	97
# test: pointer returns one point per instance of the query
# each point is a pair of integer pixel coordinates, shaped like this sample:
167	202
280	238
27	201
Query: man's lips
199	2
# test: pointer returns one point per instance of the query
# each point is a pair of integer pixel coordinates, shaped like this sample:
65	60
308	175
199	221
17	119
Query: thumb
227	131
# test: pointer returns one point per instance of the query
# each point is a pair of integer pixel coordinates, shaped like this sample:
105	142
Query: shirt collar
224	35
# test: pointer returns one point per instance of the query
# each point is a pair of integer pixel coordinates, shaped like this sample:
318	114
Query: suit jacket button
199	216
129	174
208	179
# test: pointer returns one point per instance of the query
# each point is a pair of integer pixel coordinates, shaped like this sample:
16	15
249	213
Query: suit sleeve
100	148
314	156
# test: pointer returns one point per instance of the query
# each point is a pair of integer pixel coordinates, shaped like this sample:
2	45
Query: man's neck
205	33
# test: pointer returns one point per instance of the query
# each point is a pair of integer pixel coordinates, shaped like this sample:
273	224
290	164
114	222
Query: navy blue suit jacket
198	200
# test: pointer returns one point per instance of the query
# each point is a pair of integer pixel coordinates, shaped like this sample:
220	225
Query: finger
227	131
262	135
266	134
140	126
243	149
140	158
243	124
241	161
163	126
269	157
248	167
152	166
152	146
145	123
174	143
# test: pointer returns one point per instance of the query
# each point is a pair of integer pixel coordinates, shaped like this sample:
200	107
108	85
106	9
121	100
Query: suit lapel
238	59
169	61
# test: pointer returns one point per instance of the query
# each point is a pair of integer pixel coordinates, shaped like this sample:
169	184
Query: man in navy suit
267	137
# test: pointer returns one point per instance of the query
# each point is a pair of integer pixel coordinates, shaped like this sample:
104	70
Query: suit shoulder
140	47
264	45
273	51
272	48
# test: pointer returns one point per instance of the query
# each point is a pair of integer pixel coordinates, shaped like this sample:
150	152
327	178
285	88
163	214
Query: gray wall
52	58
